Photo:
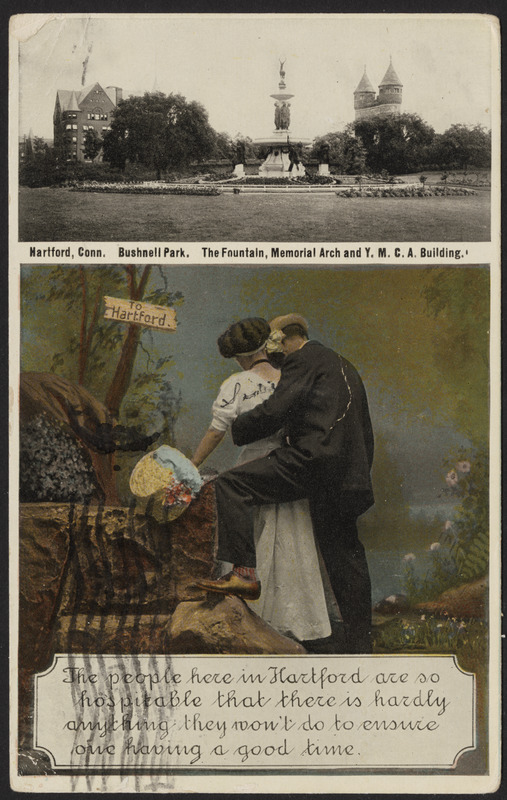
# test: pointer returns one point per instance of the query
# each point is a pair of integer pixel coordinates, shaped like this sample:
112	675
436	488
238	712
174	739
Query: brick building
368	104
77	112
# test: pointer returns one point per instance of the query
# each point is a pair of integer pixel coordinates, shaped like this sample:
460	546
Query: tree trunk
123	373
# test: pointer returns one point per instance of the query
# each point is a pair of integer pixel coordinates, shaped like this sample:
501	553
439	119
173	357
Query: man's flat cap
279	323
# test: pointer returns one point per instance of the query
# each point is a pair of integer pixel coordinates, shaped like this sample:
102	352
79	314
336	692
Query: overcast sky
230	64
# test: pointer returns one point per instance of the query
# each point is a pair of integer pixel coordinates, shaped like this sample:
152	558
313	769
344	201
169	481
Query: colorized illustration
349	130
131	427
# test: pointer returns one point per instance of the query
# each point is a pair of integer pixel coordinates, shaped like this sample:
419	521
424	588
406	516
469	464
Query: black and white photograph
256	128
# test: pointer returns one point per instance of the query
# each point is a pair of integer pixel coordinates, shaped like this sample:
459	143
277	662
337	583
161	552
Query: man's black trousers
283	476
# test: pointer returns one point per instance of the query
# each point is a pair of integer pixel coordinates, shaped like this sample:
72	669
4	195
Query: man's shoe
233	584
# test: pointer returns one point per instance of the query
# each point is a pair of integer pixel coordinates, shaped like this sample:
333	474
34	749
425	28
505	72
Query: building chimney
116	93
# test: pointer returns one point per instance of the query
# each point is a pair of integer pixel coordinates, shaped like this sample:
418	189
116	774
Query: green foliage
470	546
92	144
52	467
458	302
159	131
225	147
39	166
63	289
462	146
345	151
463	553
467	639
75	294
442	575
405	143
44	167
396	143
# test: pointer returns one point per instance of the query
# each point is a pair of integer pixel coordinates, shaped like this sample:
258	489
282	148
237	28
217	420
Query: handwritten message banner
136	313
260	712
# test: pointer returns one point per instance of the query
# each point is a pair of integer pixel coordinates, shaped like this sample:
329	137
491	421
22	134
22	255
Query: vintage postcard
255	403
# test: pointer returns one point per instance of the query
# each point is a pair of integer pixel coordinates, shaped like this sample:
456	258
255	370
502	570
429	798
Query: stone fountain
283	159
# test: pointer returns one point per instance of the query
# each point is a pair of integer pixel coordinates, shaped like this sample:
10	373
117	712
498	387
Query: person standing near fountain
293	158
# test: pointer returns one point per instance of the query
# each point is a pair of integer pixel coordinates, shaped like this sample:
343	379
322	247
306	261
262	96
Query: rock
463	602
43	566
394	604
64	401
215	625
88	562
225	624
112	558
124	634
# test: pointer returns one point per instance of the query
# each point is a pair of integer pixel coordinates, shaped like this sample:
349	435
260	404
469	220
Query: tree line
404	143
164	134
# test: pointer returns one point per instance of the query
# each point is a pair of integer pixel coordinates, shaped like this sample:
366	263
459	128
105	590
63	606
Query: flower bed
218	177
406	191
317	180
146	188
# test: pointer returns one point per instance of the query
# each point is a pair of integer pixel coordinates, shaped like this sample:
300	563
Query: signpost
133	312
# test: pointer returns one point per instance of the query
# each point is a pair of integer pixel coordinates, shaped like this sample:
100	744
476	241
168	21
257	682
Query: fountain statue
284	148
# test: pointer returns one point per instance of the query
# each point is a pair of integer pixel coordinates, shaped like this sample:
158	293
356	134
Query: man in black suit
321	406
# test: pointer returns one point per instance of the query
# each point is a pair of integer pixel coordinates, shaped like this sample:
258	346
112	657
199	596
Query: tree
92	144
224	147
96	353
159	132
28	148
336	143
39	166
396	143
463	146
346	152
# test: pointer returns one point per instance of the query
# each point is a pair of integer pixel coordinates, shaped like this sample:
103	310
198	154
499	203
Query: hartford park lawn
59	214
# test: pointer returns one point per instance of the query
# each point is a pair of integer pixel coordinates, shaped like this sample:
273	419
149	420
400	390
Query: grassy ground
61	215
467	640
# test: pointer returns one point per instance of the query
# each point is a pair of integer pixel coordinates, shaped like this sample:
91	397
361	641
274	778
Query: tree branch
91	326
82	333
143	282
131	280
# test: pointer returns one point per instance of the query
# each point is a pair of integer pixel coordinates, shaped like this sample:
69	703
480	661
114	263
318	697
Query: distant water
387	570
443	510
387	567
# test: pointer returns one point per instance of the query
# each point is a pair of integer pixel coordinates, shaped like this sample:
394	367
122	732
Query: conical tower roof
365	85
73	103
390	78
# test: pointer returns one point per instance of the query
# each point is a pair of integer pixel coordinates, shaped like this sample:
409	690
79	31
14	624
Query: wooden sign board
133	312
